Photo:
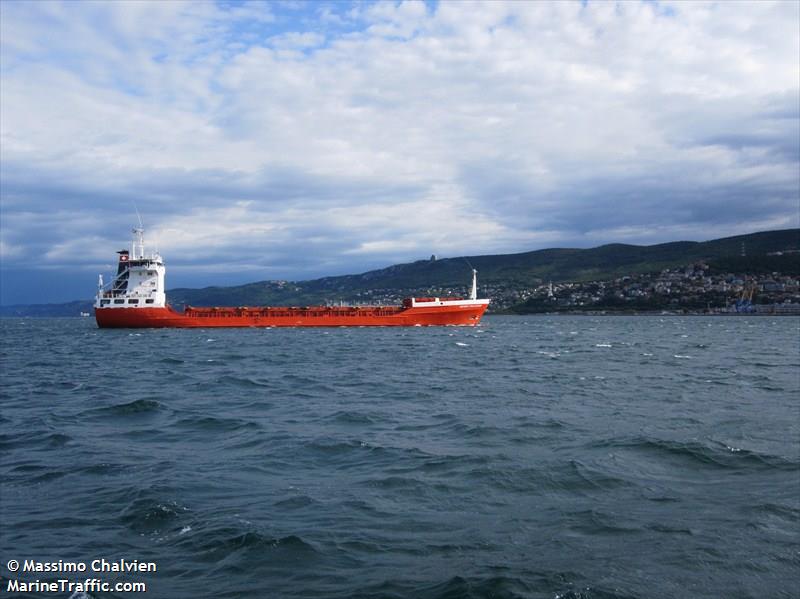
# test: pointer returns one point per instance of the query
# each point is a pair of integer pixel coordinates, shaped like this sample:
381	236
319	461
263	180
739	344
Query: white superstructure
461	303
139	282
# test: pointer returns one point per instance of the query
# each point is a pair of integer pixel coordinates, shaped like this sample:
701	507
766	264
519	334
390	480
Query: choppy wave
215	424
137	406
705	455
542	458
152	515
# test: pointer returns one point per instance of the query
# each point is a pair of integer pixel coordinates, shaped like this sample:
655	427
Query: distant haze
297	140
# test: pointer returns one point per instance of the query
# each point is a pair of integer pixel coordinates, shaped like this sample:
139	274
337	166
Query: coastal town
693	289
684	290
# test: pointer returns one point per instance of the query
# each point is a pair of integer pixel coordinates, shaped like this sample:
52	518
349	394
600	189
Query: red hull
290	317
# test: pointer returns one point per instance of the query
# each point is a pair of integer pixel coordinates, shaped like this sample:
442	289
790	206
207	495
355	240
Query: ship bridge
139	281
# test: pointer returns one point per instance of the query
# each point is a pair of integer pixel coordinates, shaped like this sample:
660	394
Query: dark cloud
268	143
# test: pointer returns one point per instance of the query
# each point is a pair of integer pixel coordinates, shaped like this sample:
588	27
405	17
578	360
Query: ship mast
137	246
473	294
138	237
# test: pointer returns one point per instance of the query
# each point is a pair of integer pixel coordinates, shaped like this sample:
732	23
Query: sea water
593	457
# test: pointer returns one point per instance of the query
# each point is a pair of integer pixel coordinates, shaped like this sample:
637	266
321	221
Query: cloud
295	141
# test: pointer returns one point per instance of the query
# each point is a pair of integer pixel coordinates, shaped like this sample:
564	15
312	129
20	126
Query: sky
293	140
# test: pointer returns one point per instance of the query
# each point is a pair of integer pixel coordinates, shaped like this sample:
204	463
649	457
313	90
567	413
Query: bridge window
119	301
105	302
149	301
133	301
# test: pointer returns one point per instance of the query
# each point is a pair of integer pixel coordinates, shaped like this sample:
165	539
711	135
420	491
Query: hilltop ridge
450	276
508	270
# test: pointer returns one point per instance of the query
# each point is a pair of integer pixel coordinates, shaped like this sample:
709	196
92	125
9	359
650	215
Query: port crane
745	302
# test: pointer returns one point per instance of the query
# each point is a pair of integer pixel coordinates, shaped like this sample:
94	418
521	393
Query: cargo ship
136	298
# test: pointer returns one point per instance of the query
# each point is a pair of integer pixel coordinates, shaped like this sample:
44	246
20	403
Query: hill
508	271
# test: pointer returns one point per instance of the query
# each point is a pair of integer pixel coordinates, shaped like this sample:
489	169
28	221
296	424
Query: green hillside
509	270
506	270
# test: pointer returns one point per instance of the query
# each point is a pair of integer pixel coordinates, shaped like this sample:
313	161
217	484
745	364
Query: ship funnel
473	294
